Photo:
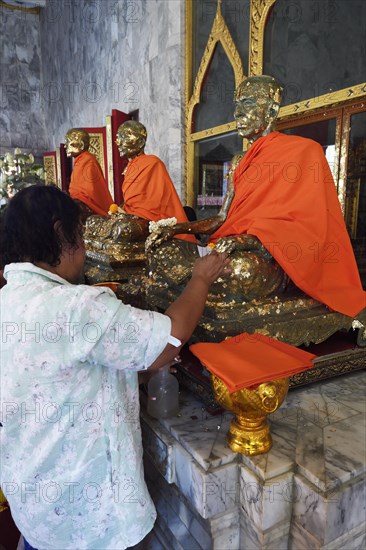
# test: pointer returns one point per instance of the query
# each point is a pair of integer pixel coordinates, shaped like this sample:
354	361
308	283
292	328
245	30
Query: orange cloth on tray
88	184
250	359
285	195
149	193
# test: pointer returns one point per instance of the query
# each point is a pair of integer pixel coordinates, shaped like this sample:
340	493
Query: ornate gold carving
348	112
352	205
96	148
50	172
188	53
115	247
249	431
219	33
331	365
295	319
331	98
58	164
110	155
259	10
214	131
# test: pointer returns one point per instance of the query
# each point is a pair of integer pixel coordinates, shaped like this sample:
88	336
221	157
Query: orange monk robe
285	196
88	184
149	193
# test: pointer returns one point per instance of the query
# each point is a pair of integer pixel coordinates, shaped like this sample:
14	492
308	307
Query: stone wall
21	116
99	55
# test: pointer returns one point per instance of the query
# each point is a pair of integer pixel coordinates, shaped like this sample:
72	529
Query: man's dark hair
36	224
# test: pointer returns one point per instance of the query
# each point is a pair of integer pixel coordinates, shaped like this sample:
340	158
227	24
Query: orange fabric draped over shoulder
285	196
88	184
149	193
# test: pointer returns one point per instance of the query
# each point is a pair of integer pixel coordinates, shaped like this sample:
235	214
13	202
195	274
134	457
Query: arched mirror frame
290	115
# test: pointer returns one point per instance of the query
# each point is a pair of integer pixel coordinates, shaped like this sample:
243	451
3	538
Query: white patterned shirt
71	453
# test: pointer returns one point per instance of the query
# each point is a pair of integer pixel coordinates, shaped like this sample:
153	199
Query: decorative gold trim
109	138
328	366
219	33
58	164
353	92
351	209
289	113
50	171
96	148
188	52
259	10
358	107
190	166
188	151
216	130
19	8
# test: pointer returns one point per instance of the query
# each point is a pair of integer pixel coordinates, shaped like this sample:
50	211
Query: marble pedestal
307	493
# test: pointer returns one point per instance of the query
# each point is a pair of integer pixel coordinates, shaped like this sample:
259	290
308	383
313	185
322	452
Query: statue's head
257	103
77	141
131	139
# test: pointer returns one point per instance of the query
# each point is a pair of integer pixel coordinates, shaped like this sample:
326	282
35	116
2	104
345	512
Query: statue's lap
253	277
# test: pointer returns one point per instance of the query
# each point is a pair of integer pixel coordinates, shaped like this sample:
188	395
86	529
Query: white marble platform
308	492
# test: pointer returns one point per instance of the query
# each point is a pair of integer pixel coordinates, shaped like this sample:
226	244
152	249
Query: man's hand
187	309
211	267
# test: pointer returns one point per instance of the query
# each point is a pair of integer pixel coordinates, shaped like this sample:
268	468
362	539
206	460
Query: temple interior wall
22	122
77	60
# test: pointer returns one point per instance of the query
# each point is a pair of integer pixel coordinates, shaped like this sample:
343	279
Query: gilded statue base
114	265
115	248
292	317
249	431
246	301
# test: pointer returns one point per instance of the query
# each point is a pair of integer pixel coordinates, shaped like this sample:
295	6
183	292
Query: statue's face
129	142
73	145
252	115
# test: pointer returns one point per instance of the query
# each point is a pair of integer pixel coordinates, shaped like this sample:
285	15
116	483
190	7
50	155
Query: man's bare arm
187	309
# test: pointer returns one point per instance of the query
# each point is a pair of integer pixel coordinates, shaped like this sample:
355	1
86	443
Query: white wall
99	55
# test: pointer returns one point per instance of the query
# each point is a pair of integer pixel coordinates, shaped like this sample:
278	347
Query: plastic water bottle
163	394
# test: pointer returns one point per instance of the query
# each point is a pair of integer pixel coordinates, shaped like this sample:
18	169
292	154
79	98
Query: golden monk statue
148	192
122	227
281	219
148	195
87	184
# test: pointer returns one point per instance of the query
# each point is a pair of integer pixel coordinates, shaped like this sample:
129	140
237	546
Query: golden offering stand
249	430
